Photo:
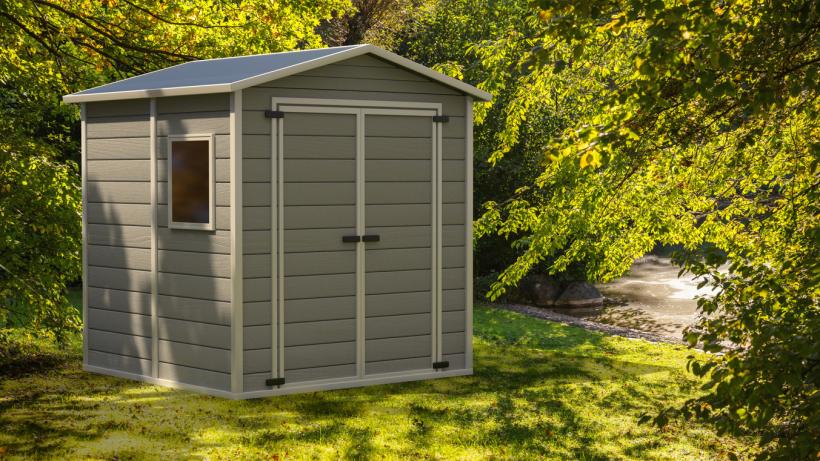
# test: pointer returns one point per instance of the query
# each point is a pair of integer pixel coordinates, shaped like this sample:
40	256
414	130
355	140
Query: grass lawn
540	391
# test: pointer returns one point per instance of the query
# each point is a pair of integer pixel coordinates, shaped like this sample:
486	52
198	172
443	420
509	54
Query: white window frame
211	224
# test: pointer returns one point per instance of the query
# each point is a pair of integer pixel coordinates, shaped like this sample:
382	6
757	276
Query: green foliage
694	124
40	206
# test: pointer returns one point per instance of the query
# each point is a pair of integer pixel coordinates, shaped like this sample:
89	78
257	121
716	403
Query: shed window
191	182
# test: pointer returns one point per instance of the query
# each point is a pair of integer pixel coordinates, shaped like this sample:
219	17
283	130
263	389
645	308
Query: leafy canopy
695	124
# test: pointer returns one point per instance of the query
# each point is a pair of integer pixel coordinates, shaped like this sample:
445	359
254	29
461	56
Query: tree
695	124
54	47
374	21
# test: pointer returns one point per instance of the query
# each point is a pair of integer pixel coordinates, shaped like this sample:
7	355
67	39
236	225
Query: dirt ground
649	298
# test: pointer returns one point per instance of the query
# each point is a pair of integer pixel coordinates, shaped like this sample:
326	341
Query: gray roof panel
214	71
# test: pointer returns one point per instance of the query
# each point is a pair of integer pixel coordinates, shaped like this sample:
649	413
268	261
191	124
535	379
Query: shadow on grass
513	403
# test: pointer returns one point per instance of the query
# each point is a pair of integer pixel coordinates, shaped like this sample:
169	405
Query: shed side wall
361	78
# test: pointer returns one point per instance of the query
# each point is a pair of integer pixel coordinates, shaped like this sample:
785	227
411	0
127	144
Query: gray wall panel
192	332
118	149
318	309
398	325
120	344
319	355
330	331
310	374
399	303
119	192
114	235
117	213
398	348
194	263
133	365
114	108
119	279
190	355
192	286
119	322
391	366
195	310
195	376
119	257
120	300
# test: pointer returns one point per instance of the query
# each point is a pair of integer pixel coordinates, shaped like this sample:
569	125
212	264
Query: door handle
371	238
351	238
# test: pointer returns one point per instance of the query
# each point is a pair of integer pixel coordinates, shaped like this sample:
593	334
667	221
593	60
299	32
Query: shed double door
358	253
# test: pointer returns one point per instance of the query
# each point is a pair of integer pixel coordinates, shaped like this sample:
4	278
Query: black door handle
351	238
371	238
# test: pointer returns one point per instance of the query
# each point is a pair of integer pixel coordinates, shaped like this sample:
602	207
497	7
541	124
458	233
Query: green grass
540	391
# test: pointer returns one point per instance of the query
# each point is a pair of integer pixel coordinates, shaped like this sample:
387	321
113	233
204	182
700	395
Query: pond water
651	297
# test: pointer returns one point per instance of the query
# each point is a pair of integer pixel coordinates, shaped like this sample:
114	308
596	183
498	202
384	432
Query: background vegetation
617	126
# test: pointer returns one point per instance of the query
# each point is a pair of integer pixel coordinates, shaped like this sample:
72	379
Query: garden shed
279	223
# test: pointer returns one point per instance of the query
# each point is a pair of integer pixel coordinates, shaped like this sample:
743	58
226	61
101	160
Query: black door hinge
440	365
441	118
274	381
274	114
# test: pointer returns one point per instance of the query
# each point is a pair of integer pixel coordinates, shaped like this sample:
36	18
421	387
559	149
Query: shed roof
230	74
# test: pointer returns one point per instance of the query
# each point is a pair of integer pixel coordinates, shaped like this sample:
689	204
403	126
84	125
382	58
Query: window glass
190	181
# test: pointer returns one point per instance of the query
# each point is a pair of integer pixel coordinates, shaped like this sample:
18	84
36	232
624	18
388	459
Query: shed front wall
362	78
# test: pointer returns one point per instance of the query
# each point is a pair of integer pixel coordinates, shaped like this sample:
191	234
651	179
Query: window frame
211	224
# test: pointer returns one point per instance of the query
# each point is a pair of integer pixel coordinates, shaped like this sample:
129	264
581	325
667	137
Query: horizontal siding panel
452	343
256	194
221	146
319	193
118	170
457	361
128	126
119	257
114	235
258	313
452	235
318	309
326	262
453	148
392	366
195	103
316	124
367	61
256	242
195	376
118	343
311	374
256	218
255	290
119	279
257	337
452	170
120	107
118	149
201	334
398	348
398	259
453	278
193	263
398	281
192	286
398	215
398	325
319	147
310	240
320	217
189	355
256	266
455	128
215	122
453	257
256	170
118	192
320	286
377	193
117	362
304	81
194	310
398	148
402	126
319	355
255	381
119	322
299	170
119	213
398	170
453	300
454	192
257	361
453	322
120	300
398	304
400	237
258	98
331	331
194	240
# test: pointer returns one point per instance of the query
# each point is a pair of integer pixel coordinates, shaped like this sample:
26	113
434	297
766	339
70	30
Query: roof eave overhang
284	72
